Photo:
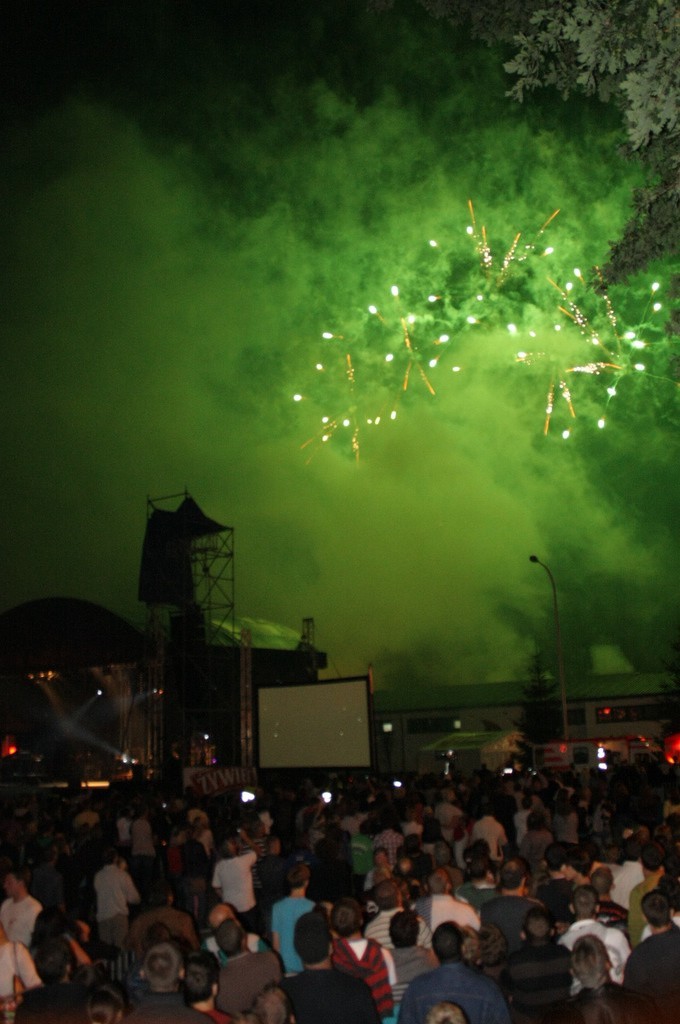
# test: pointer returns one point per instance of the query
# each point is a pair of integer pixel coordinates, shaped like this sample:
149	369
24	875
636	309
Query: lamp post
558	645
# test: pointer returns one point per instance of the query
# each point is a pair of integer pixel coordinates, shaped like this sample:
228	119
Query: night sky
192	194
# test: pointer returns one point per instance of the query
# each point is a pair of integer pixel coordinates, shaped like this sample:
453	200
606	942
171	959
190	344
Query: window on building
434	724
576	716
627	713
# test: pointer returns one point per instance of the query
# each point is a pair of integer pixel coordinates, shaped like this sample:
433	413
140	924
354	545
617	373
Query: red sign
211	781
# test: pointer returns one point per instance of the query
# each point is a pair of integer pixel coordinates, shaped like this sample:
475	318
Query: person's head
346	917
439	882
412	844
231	937
163	967
404	927
555	856
537	926
54	961
312	939
577	863
590	962
657	909
387	895
298	877
273	1006
446	1013
493	945
602	880
219	913
535	821
513	876
447	942
273	845
652	855
200	977
381	857
632	847
480	868
106	1005
16	883
585	900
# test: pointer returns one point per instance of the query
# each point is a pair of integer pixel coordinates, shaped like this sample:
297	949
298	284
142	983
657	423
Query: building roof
509	694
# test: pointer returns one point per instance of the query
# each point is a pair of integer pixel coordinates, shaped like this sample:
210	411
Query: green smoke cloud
181	228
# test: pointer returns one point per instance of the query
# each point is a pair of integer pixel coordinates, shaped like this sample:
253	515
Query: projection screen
316	725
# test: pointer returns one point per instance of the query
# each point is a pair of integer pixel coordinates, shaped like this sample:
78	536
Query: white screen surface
322	725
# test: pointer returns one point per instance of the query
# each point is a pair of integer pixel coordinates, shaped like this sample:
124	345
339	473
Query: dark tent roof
64	632
165	575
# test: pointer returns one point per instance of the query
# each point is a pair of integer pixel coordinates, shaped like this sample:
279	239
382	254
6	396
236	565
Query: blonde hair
446	1013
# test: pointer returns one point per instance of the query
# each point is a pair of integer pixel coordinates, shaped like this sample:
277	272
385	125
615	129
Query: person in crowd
488	828
181	925
598	998
106	1005
609	913
361	957
652	967
142	851
273	1006
389	836
225	912
201	985
439	905
512	903
446	1013
378	872
409	958
555	892
577	865
389	900
58	1000
47	883
15	962
163	1002
492	954
285	914
245	974
479	997
652	861
537	839
331	875
197	864
539	972
273	886
344	998
233	878
19	910
629	873
565	820
480	884
584	902
115	893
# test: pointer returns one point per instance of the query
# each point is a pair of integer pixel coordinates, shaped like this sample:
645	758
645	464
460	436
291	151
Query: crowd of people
499	898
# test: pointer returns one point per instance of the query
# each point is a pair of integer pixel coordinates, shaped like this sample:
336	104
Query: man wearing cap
320	994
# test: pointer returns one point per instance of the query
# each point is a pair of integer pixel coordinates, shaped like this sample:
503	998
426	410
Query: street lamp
558	645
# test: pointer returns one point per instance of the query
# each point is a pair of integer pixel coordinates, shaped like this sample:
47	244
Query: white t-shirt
15	959
233	876
18	919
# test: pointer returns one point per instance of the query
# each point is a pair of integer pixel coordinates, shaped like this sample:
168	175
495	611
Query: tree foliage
626	52
540	718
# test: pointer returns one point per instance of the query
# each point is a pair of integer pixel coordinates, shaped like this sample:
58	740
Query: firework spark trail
424	339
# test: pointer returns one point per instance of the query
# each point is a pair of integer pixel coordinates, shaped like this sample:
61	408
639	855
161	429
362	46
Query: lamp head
533	558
